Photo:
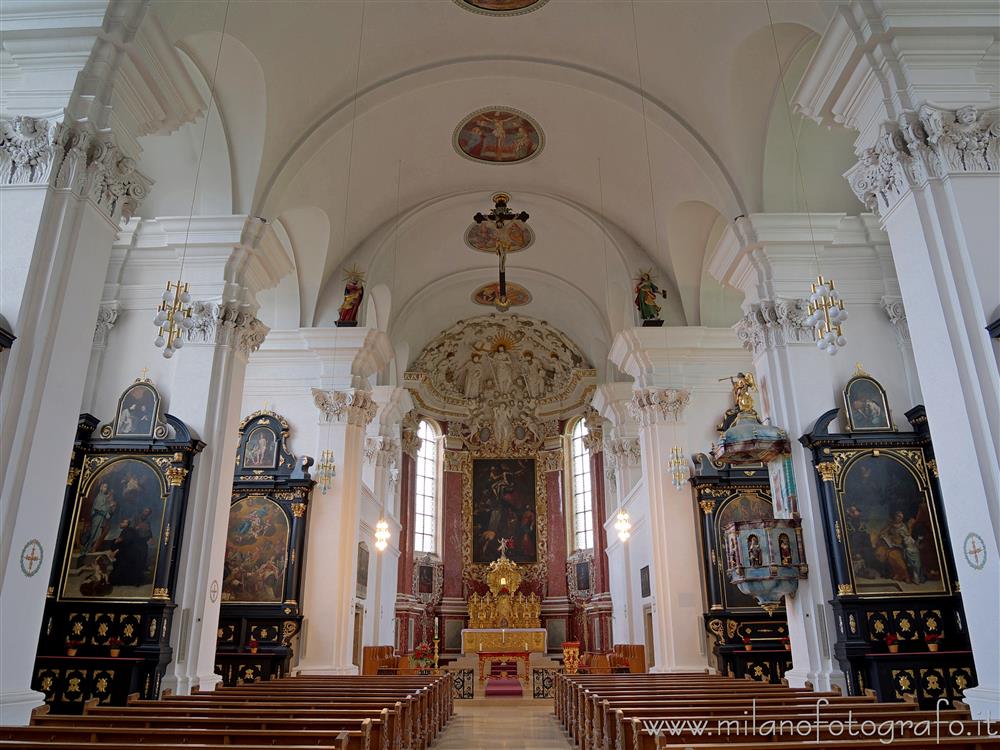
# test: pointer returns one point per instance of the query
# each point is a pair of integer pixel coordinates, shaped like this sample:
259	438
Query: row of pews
341	712
714	712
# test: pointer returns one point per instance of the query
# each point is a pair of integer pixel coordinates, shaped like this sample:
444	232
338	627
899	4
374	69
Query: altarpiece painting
503	507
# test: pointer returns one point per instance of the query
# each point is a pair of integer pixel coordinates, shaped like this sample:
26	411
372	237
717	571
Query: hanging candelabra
623	525
826	314
326	470
382	535
678	468
173	318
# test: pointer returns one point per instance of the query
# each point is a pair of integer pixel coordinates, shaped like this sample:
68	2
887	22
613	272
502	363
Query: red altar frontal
488	658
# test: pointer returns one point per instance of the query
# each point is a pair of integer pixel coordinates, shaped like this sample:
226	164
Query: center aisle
502	724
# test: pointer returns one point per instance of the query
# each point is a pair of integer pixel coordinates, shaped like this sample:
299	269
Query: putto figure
645	299
354	292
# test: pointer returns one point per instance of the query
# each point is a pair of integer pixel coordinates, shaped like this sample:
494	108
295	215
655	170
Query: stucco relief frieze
355	407
930	143
652	405
772	323
500	381
35	151
225	324
107	316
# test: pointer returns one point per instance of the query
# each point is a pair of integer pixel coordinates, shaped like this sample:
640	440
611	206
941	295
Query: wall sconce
623	526
678	468
326	470
382	535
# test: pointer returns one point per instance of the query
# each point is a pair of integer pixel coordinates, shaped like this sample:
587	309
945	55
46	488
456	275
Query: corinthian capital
31	150
107	315
773	323
354	407
651	405
226	324
893	307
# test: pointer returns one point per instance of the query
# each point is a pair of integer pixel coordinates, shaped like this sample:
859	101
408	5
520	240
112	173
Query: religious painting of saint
498	135
748	506
137	411
256	552
866	406
116	533
425	579
261	449
503	507
892	536
583	576
361	583
488	294
644	587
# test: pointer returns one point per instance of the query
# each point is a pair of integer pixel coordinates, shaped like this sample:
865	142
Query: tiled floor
503	724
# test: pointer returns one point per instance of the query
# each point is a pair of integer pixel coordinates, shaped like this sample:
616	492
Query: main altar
503	619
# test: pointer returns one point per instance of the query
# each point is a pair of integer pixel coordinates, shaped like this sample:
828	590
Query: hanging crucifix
499	215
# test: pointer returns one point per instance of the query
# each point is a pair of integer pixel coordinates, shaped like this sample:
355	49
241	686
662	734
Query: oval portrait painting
483	237
501	7
499	135
487	294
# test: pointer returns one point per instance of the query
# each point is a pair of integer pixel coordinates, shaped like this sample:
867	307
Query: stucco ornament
497	380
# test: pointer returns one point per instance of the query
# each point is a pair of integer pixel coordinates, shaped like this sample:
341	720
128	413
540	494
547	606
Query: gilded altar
502	606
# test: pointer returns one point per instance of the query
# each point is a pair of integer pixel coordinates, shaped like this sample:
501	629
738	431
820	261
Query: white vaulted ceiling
376	181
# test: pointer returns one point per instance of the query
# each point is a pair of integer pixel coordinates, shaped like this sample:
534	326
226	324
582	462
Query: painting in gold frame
115	535
892	534
256	552
866	406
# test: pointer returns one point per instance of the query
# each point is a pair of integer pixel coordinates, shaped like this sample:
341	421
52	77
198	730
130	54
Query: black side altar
727	493
265	551
108	614
899	616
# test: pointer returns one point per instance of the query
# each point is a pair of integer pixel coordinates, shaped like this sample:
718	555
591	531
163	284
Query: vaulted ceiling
663	119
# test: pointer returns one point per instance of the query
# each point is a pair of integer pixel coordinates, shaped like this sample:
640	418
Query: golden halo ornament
501	7
489	295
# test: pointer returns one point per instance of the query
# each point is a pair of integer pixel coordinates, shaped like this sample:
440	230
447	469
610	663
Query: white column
676	401
207	389
924	102
772	258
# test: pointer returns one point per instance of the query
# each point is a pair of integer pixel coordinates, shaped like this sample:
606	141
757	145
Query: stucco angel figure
645	299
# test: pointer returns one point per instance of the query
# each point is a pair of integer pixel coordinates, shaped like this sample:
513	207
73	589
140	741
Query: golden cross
143	375
266	404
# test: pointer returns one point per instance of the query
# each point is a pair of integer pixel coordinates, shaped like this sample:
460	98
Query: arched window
581	488
426	517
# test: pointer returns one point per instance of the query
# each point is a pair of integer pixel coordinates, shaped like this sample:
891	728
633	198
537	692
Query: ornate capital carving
893	307
409	441
773	323
351	406
31	150
550	460
457	461
226	325
651	405
113	182
594	439
621	452
107	315
380	450
930	143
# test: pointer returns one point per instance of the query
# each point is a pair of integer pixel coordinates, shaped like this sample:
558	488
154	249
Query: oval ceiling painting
488	294
483	237
498	135
501	7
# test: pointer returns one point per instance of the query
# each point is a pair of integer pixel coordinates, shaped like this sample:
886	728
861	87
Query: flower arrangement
423	655
72	644
933	641
786	642
747	644
114	645
253	645
892	642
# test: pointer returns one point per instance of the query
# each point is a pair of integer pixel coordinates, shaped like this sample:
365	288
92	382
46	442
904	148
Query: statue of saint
354	292
645	299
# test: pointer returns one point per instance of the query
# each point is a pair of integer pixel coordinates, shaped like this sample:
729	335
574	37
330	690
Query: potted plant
423	657
746	643
892	642
72	644
114	646
786	643
933	641
253	645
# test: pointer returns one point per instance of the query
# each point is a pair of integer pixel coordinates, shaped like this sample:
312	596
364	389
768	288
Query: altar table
532	640
486	659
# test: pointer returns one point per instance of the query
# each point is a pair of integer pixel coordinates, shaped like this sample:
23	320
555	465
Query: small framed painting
865	405
644	587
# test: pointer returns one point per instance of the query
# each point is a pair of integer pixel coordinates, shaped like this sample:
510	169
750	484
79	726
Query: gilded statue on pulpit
503	606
